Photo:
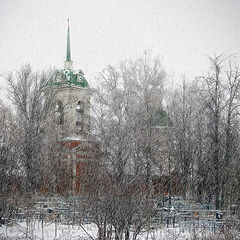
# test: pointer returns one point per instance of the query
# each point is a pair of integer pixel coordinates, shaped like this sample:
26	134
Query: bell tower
73	96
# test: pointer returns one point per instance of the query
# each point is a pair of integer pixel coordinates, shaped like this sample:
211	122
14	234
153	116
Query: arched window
80	116
59	113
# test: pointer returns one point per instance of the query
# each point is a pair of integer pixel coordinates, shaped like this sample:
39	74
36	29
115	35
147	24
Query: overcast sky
182	32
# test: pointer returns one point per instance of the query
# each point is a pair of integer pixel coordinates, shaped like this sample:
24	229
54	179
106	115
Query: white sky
182	32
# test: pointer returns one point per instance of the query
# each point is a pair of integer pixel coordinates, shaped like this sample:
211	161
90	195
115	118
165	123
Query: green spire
68	54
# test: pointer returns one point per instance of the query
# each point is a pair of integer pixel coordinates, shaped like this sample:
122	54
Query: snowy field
52	231
49	231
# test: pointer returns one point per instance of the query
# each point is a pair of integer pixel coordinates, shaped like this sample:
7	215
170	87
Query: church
73	106
72	99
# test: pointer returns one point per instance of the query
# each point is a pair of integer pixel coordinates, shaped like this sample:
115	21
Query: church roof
68	76
71	77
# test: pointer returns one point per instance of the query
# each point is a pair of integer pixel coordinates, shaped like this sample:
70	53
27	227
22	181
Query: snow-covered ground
52	231
49	231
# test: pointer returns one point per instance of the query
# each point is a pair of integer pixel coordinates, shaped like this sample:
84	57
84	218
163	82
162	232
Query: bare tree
126	111
33	101
231	125
206	129
9	164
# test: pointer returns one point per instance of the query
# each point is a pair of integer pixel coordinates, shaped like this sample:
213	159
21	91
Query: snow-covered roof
74	139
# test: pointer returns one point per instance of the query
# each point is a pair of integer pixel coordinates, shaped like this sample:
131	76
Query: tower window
80	116
59	113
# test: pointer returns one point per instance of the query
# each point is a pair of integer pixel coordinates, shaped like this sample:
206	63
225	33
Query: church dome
160	118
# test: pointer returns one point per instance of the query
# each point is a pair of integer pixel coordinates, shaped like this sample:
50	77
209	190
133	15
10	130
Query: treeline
187	138
148	131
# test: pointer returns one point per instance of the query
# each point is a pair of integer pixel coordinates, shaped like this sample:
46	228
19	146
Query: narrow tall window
80	116
59	113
